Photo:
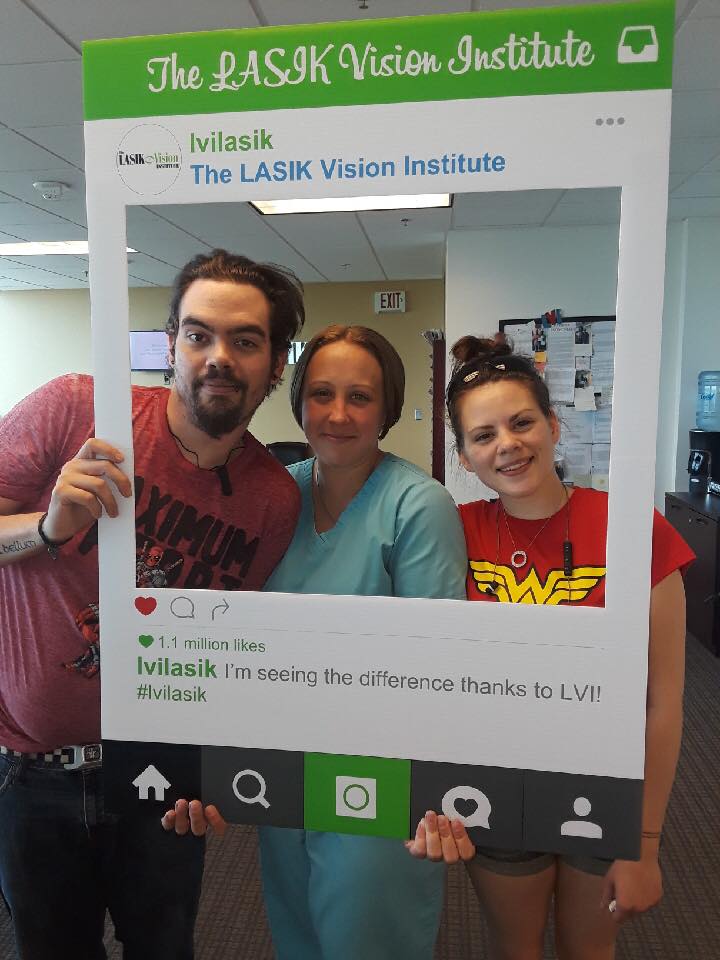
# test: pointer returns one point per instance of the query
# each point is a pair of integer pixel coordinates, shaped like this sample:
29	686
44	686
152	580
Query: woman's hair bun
469	349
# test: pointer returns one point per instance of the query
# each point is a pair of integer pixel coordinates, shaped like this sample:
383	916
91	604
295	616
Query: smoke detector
50	189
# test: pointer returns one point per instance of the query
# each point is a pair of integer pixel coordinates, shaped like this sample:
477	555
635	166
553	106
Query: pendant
518	559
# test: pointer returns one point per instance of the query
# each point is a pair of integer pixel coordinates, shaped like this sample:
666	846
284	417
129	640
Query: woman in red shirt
544	542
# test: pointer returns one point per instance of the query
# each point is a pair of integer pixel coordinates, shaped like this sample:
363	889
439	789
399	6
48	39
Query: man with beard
219	511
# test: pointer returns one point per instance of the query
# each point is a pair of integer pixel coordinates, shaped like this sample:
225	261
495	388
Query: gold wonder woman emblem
557	587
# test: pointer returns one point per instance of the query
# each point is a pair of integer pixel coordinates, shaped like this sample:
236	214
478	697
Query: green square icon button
366	795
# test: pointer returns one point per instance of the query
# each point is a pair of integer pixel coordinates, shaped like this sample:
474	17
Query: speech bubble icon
145	640
183	608
465	796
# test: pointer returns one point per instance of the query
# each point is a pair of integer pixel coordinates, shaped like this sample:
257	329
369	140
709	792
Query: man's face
222	354
154	556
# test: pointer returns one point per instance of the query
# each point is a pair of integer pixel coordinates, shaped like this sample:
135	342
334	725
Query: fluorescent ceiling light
47	248
349	204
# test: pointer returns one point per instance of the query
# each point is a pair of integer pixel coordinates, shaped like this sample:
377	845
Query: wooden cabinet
697	518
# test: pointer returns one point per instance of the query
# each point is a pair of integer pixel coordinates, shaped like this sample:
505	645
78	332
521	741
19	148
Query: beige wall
352	303
46	333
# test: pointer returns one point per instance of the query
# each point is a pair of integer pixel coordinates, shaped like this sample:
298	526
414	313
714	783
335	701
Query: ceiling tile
22	214
701	185
333	240
519	4
696	114
684	209
322	11
388	226
69	266
713	166
476	211
696	56
412	250
144	270
19	184
586	206
160	240
18	153
8	283
65	141
59	282
688	156
48	271
706	8
41	93
238	227
425	261
105	19
52	229
24	38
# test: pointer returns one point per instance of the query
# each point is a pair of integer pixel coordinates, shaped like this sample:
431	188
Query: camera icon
356	797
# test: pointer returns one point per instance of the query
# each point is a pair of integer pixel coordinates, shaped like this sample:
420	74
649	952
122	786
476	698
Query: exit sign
390	301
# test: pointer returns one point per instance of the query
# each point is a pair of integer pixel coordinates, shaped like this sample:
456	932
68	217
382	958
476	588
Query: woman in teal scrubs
371	524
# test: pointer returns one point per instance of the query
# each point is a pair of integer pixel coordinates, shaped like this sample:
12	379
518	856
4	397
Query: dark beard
219	415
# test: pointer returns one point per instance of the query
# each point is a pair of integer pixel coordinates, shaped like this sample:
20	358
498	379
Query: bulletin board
579	377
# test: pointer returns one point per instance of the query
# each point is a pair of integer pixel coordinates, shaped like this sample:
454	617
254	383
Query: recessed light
351	204
47	248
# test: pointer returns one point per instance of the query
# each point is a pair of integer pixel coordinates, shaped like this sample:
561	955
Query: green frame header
507	53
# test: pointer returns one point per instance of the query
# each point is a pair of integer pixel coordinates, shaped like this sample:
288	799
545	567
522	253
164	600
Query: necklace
519	557
321	499
220	469
318	489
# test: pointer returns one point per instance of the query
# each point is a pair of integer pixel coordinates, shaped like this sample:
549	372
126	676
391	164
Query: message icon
356	797
468	805
183	608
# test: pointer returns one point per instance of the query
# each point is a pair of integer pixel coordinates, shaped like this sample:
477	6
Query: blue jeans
63	863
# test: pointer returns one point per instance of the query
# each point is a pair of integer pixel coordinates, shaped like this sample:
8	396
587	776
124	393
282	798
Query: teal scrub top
399	536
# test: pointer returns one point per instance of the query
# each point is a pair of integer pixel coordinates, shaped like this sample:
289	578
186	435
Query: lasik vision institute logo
149	159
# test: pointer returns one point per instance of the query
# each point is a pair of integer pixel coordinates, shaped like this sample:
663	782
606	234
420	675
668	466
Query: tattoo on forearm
17	546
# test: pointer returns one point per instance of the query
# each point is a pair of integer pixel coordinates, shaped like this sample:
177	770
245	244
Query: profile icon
581	828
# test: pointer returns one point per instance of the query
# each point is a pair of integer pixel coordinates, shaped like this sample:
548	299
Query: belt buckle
85	756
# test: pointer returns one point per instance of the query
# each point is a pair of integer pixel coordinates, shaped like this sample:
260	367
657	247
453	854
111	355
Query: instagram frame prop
520	100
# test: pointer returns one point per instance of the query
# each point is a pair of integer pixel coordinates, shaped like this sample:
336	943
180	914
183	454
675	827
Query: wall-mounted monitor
148	350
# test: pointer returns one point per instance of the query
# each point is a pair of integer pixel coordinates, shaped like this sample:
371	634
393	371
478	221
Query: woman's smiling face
507	441
343	404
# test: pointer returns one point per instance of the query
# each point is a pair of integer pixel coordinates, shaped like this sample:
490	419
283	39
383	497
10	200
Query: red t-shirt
189	534
542	580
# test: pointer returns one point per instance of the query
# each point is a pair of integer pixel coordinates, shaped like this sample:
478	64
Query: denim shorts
524	863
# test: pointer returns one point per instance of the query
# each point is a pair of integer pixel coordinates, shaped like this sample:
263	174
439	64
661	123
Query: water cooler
704	459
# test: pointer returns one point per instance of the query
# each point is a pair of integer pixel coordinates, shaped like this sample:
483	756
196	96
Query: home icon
151	779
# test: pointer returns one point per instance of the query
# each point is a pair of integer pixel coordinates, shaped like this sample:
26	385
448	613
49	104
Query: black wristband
52	545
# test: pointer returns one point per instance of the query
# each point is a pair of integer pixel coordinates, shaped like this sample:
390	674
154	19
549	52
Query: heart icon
145	605
466	807
146	640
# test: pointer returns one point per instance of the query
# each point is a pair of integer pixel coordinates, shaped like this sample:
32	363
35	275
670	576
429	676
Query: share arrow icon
224	606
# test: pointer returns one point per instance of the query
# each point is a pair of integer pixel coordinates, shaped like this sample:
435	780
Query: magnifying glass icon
259	797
